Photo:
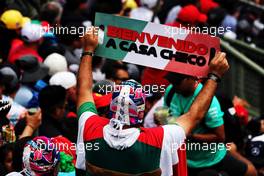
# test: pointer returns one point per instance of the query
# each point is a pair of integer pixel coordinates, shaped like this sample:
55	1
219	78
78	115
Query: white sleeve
80	150
174	137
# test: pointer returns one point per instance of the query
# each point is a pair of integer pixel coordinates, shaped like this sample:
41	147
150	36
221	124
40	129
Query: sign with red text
155	45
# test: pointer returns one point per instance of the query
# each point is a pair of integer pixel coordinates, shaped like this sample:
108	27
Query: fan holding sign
120	136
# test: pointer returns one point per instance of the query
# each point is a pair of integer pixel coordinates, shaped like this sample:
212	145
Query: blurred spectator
32	81
133	72
52	101
173	14
11	23
255	151
31	35
230	21
189	16
216	16
207	5
71	42
51	12
68	81
179	97
147	11
6	152
27	8
104	6
115	71
17	111
97	64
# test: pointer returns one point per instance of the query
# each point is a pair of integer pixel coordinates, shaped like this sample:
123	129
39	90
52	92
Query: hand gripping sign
155	45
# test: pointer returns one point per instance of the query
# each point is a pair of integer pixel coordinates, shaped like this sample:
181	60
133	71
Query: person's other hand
219	64
34	120
90	40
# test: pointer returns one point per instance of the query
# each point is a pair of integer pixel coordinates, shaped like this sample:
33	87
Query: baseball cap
32	69
13	19
191	14
32	32
175	78
207	5
56	63
130	4
102	100
65	79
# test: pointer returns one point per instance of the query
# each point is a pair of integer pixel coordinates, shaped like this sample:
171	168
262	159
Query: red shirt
19	49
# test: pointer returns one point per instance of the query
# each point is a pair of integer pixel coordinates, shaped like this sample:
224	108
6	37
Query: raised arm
199	108
85	78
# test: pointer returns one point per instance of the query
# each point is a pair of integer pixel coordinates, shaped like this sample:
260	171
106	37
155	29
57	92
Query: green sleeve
166	95
86	107
214	116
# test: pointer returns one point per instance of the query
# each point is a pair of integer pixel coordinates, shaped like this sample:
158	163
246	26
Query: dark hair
4	150
49	12
254	127
110	68
51	97
18	152
68	38
103	111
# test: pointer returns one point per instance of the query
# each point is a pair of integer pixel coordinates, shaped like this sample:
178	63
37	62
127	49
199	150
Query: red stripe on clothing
94	127
152	136
180	169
